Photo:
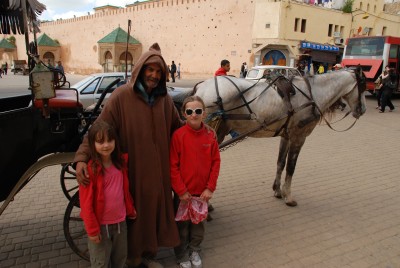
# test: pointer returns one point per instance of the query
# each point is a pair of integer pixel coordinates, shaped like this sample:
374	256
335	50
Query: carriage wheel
59	79
74	230
68	182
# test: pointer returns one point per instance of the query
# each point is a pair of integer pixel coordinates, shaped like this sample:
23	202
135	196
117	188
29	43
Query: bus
373	53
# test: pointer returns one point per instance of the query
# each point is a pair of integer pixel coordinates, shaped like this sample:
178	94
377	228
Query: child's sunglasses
197	111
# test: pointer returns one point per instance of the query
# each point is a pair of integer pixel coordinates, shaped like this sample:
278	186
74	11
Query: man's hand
82	174
206	195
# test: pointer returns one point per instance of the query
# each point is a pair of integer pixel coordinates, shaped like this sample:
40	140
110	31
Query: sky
56	9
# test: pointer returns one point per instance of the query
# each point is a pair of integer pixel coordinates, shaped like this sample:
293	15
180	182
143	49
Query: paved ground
347	186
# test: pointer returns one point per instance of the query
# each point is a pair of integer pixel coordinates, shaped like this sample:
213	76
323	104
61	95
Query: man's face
227	67
151	76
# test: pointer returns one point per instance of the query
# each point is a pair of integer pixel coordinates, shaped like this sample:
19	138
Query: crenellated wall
196	33
200	33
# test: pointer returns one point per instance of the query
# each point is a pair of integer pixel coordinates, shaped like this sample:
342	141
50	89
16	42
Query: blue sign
316	46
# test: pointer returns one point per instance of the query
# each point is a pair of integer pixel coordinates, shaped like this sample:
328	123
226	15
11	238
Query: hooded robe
144	130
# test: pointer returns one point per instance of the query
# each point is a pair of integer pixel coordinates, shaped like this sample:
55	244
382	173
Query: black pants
173	77
379	96
386	99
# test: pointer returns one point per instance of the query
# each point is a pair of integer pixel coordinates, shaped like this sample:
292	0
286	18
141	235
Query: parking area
346	184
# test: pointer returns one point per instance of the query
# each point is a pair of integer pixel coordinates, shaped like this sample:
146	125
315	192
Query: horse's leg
283	150
293	154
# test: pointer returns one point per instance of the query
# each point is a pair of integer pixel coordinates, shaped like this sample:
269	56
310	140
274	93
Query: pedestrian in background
178	71
224	69
242	71
388	87
173	71
5	68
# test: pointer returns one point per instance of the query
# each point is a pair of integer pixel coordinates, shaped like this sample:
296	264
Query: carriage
44	127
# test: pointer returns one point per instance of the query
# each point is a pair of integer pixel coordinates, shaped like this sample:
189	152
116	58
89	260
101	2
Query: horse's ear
359	69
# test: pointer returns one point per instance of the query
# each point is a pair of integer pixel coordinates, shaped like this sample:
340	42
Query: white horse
260	110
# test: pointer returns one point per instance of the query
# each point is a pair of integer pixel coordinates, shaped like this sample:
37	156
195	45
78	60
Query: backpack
391	84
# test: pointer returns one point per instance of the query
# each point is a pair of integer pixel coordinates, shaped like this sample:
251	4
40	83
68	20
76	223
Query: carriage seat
65	98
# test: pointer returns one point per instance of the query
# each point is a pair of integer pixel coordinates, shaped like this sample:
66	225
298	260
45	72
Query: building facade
200	33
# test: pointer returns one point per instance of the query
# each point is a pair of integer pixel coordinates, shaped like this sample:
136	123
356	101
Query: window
107	81
296	24
330	29
384	29
303	25
393	51
267	26
89	89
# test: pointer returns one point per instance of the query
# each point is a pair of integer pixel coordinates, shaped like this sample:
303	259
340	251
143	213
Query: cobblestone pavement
347	186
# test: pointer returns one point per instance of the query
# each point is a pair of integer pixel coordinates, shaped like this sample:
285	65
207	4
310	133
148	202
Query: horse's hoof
278	195
291	204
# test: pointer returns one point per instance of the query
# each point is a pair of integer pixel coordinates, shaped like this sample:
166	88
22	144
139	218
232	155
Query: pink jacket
92	198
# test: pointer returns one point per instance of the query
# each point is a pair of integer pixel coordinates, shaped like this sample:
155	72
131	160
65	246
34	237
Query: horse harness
285	89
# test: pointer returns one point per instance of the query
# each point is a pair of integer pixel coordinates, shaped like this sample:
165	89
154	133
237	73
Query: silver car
90	88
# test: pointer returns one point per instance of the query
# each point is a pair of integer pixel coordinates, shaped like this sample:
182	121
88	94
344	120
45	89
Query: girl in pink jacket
106	202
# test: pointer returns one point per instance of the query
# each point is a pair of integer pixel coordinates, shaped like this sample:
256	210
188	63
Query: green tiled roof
45	40
5	44
111	6
118	36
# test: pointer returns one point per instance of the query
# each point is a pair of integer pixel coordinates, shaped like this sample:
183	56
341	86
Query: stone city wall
196	33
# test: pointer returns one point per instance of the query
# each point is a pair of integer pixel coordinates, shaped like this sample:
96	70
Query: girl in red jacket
106	201
195	163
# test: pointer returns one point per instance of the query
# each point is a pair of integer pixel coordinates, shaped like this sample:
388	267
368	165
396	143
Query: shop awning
319	47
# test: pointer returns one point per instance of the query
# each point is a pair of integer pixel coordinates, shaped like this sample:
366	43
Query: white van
264	72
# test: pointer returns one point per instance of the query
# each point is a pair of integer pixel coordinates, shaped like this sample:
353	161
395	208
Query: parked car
19	66
264	72
91	87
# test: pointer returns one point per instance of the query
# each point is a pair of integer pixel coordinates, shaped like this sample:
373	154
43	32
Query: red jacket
195	160
92	198
220	71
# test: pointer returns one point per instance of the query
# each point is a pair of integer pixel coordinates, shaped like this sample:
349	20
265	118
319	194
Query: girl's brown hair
101	131
191	99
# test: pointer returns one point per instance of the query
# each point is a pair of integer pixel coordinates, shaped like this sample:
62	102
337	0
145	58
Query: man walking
173	71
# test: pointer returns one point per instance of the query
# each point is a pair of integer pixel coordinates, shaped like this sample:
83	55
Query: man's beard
151	83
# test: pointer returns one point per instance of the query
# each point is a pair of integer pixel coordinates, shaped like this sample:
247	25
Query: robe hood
151	56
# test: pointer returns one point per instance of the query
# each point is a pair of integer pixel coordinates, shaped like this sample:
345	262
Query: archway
108	64
48	58
129	58
274	57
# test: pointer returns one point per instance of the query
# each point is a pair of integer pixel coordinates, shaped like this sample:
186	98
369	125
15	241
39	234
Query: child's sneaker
185	264
196	260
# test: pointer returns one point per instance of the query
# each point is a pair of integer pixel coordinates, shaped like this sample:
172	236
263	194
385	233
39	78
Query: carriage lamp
42	86
42	82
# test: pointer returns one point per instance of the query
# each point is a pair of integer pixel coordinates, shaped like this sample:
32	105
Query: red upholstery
65	98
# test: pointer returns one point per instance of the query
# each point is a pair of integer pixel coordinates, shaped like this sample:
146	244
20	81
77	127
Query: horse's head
356	98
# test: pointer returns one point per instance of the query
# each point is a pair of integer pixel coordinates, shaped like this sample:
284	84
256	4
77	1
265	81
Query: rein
222	113
359	82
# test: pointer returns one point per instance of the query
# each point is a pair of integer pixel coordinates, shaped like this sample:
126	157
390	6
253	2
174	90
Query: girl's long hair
101	131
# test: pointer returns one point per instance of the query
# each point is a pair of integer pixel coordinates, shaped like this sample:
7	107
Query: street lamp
365	16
